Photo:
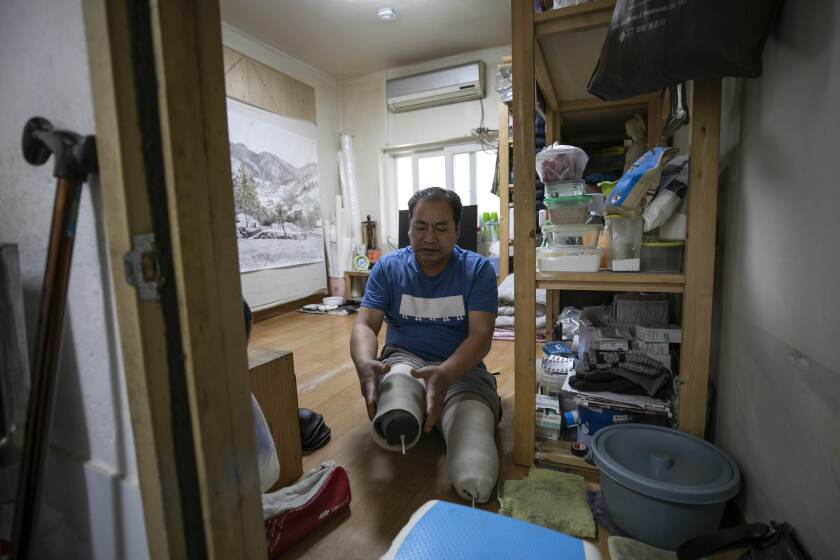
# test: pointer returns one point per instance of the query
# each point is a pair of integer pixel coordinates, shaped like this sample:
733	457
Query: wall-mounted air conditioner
437	87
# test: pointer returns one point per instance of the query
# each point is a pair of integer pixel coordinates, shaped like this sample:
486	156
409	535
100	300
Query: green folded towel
549	498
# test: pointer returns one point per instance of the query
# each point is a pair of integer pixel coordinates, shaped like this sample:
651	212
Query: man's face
432	232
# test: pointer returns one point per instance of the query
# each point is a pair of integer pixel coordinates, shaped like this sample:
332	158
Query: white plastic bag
672	188
267	461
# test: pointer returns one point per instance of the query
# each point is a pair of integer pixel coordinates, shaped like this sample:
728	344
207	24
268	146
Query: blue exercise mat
444	530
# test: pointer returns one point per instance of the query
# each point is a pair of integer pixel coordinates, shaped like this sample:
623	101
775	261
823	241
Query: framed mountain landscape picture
275	191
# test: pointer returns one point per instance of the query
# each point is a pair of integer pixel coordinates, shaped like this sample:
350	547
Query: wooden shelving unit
558	50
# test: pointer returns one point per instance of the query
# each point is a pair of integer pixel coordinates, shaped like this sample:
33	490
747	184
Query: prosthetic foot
401	410
471	456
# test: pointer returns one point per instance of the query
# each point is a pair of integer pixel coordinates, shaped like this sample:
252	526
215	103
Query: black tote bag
654	44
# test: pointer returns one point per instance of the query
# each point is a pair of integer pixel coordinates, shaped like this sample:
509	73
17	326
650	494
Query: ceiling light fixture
387	13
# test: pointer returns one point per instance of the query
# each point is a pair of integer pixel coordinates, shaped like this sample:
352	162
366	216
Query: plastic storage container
561	163
568	209
663	486
570	258
662	256
625	242
565	188
577	235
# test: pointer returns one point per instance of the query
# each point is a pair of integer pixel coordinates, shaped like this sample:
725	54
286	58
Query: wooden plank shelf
559	454
594	104
590	15
611	281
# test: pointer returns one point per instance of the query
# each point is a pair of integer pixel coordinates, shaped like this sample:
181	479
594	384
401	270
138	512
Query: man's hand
437	380
370	372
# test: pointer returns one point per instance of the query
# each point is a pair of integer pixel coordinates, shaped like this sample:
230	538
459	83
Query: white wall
778	404
365	115
270	287
91	499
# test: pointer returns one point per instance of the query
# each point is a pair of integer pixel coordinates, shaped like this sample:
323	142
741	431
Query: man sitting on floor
440	304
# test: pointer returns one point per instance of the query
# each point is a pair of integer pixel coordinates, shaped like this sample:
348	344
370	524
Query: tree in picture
245	200
275	191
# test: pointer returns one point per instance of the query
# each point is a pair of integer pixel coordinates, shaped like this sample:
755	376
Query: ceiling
346	38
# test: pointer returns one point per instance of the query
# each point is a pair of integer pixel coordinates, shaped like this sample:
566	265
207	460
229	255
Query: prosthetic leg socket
471	456
401	408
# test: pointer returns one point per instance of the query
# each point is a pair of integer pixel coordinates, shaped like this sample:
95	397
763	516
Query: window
466	169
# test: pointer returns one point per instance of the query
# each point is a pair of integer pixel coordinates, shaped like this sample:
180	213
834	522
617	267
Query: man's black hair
437	193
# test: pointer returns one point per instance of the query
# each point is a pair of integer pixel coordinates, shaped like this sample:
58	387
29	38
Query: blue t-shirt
428	315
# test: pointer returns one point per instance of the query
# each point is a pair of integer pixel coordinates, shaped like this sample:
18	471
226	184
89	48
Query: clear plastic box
568	209
570	258
662	256
565	188
625	242
579	235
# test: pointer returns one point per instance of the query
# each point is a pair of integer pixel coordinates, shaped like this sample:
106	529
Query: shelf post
504	192
700	256
522	15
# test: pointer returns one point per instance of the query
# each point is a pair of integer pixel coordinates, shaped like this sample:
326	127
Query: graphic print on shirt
444	308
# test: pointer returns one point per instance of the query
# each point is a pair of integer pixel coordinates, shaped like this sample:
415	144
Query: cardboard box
672	334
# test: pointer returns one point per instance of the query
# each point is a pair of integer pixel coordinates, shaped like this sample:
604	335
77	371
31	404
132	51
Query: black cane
75	158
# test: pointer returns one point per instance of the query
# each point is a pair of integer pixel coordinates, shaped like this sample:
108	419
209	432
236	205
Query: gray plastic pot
661	486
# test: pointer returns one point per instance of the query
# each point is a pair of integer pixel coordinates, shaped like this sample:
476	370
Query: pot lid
666	464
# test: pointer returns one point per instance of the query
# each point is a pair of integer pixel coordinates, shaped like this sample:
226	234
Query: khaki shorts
477	384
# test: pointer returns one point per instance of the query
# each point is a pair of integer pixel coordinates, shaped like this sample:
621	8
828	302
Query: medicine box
672	334
643	347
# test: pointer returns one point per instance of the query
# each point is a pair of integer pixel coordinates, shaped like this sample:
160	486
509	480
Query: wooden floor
386	487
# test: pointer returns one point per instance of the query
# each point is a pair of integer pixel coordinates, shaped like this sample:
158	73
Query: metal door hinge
142	267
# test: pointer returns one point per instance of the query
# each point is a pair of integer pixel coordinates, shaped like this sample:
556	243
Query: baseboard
281	308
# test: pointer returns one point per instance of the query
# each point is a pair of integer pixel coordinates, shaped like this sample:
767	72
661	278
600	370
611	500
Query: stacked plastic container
569	243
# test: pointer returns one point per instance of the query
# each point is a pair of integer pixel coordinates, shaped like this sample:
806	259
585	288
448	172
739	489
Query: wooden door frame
159	102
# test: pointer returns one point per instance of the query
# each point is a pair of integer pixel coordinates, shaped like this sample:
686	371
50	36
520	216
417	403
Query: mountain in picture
278	218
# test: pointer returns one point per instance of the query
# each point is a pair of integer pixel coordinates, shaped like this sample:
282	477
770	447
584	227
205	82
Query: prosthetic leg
468	427
472	460
400	411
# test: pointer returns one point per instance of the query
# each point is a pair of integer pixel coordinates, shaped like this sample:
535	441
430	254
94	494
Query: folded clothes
508	334
617	380
506	321
506	310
